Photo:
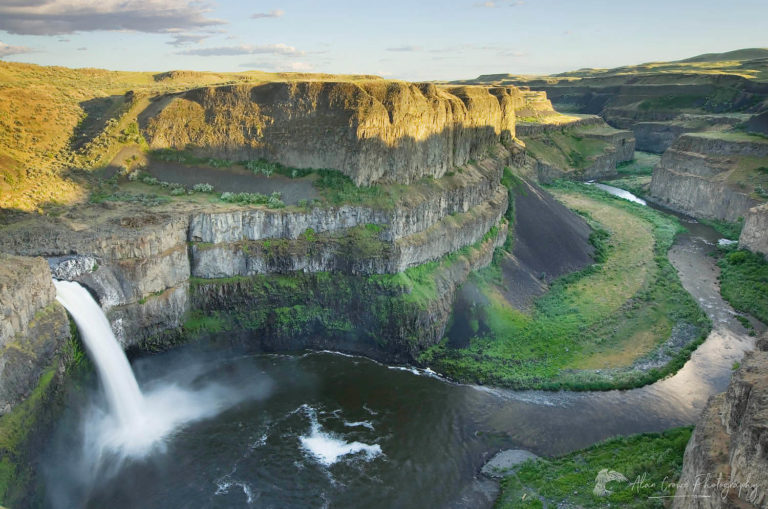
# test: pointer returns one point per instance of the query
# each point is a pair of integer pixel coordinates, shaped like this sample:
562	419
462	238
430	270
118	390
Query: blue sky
415	40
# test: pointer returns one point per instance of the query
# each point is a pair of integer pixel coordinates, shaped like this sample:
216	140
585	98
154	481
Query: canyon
430	184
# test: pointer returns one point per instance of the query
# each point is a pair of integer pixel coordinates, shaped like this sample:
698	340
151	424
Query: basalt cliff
372	131
726	461
712	175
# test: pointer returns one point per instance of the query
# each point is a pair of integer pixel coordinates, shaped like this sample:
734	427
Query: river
328	430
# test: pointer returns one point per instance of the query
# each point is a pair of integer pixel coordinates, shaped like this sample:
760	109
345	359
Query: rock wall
697	176
754	235
32	327
726	460
382	317
139	261
560	153
375	131
358	250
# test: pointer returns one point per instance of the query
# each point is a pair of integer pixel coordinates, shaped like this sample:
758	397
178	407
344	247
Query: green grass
639	185
642	164
744	282
651	462
565	149
604	316
728	230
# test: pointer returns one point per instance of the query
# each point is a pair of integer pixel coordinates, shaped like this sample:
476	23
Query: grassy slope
749	64
566	149
653	459
54	119
744	282
604	317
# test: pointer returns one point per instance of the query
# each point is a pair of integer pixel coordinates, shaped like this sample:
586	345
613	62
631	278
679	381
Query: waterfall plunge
122	390
137	423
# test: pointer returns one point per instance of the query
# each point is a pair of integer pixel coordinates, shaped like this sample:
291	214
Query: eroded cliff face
372	131
726	460
754	235
32	327
581	148
140	262
706	176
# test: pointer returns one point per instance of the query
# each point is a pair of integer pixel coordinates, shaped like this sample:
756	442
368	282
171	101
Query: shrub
203	188
737	257
178	191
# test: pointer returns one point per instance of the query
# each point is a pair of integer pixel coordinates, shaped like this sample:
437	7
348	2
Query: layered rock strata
375	131
706	175
726	460
32	327
580	148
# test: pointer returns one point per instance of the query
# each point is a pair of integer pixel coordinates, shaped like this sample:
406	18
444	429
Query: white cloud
275	13
183	39
54	17
244	49
8	50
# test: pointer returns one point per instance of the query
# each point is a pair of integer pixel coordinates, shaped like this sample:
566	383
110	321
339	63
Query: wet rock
505	461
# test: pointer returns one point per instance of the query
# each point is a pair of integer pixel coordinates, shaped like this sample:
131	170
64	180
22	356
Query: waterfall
123	395
136	423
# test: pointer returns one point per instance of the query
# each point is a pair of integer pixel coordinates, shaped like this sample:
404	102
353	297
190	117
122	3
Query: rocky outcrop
704	175
363	249
126	258
726	460
657	135
475	185
390	318
578	148
754	235
139	262
32	327
372	131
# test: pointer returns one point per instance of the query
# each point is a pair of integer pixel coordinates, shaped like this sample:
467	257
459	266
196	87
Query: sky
402	39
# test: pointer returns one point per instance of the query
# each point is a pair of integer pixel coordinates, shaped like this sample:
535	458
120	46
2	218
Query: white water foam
358	424
135	423
327	448
223	487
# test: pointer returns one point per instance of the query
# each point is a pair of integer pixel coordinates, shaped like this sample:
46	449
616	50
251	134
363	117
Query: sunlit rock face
726	461
375	131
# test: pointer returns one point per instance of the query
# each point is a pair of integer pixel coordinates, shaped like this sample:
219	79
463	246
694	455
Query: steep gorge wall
726	460
583	148
656	107
754	234
32	327
140	263
374	131
696	176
